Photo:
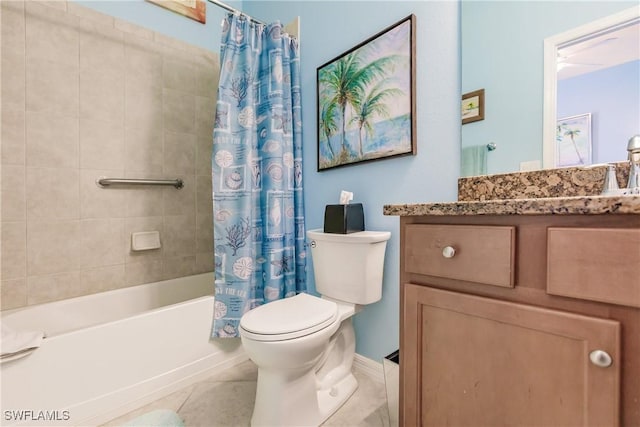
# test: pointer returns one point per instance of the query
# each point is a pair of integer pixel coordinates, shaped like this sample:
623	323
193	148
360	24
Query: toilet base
299	409
332	399
308	394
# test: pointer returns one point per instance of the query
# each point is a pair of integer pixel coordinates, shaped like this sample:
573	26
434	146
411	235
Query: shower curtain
258	207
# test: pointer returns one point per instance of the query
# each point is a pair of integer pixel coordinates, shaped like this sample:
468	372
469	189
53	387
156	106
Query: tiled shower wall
84	96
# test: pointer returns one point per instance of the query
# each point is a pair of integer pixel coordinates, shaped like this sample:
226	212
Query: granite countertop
587	205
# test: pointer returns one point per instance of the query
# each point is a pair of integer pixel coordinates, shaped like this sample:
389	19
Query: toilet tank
348	267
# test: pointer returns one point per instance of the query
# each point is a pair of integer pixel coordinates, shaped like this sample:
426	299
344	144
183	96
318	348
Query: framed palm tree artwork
573	141
366	100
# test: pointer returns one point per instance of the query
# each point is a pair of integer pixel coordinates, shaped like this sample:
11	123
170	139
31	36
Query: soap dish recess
145	240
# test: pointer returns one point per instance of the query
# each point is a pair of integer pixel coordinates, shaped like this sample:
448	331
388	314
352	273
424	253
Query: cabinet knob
448	251
600	358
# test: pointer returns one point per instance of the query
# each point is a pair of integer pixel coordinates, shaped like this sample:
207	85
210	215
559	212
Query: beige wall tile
97	20
174	44
96	202
103	278
180	236
143	108
205	116
82	97
51	34
143	149
101	95
133	29
102	50
101	144
12	27
14	250
178	74
204	262
178	267
143	272
14	292
101	242
204	234
179	111
204	195
143	62
52	87
140	224
144	201
13	193
179	153
13	80
52	246
182	201
61	5
53	193
13	137
204	148
207	80
54	287
52	140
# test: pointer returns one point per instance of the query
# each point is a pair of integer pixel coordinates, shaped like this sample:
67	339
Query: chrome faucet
633	147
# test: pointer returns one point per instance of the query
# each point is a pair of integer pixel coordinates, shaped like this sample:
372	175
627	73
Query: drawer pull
448	251
600	358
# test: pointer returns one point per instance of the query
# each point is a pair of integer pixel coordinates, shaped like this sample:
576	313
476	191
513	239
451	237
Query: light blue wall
329	28
611	96
502	52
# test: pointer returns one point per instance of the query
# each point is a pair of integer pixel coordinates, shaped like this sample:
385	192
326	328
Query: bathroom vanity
520	311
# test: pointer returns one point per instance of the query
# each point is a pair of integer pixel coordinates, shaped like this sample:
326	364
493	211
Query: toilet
304	345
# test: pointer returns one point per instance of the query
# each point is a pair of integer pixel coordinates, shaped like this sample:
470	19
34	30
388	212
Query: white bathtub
106	354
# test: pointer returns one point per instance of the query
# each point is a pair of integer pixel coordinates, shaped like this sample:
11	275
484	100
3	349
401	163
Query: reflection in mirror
592	91
502	46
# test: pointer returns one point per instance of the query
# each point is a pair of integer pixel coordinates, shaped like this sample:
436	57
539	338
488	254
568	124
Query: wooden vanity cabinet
502	349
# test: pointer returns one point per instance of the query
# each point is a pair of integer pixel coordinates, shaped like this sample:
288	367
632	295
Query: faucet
633	147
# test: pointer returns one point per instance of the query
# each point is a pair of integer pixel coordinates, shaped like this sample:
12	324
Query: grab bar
105	182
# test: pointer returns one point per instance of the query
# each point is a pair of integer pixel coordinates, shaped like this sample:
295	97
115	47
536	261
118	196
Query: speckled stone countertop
590	205
565	191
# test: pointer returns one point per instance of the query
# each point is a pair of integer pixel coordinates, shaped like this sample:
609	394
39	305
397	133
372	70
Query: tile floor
226	399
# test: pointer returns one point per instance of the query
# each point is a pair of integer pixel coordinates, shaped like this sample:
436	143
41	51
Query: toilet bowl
304	345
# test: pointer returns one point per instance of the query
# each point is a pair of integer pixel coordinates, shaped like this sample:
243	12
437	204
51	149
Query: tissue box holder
343	219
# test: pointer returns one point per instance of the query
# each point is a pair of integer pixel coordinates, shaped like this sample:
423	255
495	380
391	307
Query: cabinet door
473	361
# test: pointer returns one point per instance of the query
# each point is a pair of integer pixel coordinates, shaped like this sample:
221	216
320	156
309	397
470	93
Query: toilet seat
288	318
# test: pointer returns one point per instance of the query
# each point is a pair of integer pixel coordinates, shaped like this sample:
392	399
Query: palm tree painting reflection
365	100
573	141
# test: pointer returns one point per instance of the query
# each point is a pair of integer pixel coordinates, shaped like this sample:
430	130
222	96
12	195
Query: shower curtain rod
233	10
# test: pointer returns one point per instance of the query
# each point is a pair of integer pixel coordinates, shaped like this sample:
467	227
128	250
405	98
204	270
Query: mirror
502	53
591	91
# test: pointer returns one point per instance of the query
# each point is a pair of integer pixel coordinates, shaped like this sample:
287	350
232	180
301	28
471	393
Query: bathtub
106	354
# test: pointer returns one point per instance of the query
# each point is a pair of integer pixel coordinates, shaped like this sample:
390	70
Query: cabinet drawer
599	264
483	254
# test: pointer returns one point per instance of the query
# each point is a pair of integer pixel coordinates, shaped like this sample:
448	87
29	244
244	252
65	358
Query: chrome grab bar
105	182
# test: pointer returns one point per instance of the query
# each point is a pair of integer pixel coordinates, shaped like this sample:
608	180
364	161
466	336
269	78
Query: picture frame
573	141
194	9
366	100
472	106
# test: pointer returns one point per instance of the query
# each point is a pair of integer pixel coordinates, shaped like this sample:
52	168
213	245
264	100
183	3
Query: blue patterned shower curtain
258	206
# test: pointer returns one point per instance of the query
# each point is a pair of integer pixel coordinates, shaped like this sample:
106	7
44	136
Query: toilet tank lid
294	314
368	236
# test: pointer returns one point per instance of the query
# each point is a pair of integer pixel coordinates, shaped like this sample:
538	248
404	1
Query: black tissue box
343	219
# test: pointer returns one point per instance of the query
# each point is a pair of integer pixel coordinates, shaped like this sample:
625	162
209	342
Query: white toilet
304	345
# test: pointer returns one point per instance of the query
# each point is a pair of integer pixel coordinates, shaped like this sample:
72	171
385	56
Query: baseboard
369	367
